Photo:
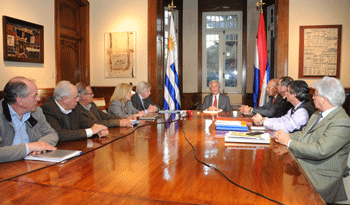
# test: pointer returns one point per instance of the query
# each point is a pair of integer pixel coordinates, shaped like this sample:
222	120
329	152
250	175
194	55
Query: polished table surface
155	164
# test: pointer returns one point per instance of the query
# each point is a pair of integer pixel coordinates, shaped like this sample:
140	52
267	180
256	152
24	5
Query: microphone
187	113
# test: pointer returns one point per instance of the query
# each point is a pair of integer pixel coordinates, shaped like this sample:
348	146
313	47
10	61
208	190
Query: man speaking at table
216	101
322	146
23	127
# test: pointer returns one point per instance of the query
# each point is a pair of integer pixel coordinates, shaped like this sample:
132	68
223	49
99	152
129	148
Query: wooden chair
101	103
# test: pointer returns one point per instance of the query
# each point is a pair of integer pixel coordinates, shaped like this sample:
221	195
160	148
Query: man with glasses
89	111
322	146
62	114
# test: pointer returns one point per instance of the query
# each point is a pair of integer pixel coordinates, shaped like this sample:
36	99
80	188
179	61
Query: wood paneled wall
189	99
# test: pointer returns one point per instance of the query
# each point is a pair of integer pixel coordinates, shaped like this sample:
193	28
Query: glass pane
231	63
212	45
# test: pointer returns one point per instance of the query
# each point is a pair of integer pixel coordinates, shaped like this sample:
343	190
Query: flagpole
172	99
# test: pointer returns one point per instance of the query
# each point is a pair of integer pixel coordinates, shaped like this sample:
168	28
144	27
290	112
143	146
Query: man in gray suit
23	127
322	146
216	101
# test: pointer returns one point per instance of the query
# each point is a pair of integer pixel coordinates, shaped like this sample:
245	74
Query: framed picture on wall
120	56
23	41
319	51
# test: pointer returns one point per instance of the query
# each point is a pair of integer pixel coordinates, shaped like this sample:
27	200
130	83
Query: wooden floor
155	164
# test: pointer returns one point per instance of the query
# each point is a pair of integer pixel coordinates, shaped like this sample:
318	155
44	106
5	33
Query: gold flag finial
171	7
260	4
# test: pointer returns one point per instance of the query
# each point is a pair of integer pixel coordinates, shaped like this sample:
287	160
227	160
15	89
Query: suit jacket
224	102
322	150
269	110
97	116
69	127
117	108
37	129
137	104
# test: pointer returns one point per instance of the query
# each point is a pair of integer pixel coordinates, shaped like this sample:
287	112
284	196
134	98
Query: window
222	50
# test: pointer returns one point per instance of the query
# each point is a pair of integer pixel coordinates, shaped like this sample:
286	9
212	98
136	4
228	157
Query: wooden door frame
84	43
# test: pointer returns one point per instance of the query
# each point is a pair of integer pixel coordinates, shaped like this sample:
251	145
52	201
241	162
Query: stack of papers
211	112
231	125
248	137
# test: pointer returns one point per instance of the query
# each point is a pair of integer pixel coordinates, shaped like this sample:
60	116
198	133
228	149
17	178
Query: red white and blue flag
261	66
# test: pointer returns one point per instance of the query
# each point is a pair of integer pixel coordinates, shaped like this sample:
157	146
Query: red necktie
273	100
215	104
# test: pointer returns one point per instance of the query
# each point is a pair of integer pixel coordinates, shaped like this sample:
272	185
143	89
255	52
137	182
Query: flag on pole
172	90
261	65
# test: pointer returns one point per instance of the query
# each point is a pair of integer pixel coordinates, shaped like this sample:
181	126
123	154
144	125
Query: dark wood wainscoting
346	105
105	92
189	101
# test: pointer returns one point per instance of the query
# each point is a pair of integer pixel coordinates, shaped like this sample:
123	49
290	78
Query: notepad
246	137
58	155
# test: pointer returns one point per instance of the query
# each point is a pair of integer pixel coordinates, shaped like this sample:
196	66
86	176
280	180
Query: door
72	40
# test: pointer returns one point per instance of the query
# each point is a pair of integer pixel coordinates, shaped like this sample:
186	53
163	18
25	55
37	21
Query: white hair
62	89
213	82
332	89
142	87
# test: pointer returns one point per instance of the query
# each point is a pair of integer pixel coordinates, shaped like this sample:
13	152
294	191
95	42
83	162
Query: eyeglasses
88	93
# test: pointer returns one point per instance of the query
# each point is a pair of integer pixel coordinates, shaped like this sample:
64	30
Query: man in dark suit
63	116
216	101
141	100
282	88
322	146
271	107
89	110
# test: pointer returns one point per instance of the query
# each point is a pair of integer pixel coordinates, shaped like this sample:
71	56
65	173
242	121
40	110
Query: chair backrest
100	103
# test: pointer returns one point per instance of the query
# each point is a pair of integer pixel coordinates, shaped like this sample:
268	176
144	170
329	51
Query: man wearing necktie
216	101
271	107
141	100
322	146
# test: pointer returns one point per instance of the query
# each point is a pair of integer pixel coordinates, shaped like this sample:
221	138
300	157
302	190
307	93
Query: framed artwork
120	54
23	41
319	51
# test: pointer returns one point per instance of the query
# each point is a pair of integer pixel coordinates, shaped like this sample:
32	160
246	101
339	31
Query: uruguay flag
261	66
172	89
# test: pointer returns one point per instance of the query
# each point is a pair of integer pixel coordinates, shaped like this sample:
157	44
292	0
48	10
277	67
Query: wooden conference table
156	165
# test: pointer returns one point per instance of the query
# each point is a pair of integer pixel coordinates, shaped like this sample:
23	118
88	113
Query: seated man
322	146
23	127
89	110
282	87
65	118
141	100
271	107
297	117
216	101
